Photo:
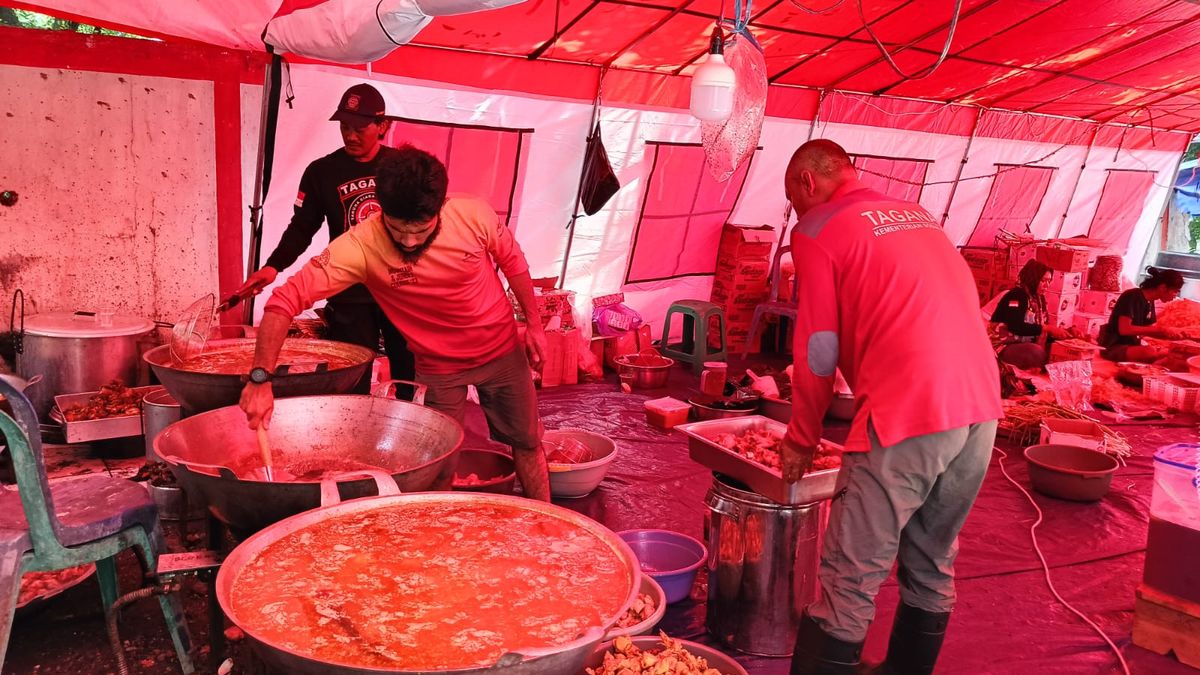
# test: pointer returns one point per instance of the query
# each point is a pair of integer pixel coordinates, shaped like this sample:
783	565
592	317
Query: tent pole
812	128
256	207
1078	179
267	121
595	120
962	166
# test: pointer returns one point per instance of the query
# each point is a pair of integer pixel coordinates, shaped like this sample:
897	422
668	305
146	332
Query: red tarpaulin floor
1006	622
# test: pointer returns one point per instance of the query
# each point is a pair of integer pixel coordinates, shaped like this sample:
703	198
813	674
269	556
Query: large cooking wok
215	456
198	392
565	659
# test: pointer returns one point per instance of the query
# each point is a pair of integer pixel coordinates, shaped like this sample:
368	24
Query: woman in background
1023	319
1134	317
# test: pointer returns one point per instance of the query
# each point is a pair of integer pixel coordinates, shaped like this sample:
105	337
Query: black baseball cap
360	102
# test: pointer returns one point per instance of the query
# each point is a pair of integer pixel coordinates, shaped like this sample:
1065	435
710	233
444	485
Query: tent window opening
683	211
1122	202
1016	195
1183	208
897	177
22	18
487	162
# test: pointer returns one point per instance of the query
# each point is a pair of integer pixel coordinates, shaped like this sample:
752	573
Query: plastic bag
1071	382
613	320
727	144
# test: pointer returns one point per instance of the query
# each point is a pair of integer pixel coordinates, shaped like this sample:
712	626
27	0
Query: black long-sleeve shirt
339	191
1013	311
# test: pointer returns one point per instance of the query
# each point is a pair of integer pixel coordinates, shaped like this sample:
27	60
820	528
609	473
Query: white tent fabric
601	249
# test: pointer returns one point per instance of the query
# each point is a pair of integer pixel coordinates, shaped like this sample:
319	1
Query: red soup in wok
430	586
240	360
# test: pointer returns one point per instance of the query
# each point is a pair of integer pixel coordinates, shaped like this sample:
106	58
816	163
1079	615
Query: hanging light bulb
713	83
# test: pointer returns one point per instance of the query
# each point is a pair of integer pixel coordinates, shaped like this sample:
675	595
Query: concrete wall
117	207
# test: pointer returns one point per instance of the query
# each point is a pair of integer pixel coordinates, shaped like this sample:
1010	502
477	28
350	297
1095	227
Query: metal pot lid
99	325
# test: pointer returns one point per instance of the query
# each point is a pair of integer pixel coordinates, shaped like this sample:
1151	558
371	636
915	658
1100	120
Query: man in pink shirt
885	297
429	261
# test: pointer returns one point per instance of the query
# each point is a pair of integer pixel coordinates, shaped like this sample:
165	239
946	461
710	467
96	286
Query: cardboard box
1063	258
742	271
1081	433
1073	350
1020	254
739	242
1061	304
1089	324
1063	319
1097	302
1065	282
982	261
626	343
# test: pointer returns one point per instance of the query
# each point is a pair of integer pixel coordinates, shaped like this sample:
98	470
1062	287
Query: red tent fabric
1121	61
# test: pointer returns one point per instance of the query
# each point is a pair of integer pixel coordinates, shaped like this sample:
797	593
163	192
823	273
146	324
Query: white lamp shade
713	86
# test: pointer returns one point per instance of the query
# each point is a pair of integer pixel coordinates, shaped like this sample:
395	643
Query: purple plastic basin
670	558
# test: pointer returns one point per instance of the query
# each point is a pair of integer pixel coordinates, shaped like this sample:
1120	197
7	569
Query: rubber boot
818	653
915	642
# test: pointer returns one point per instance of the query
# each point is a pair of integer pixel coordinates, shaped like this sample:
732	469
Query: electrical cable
1011	167
928	70
1046	567
825	10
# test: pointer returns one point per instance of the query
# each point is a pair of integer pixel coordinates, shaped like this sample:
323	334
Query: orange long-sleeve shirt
450	304
885	297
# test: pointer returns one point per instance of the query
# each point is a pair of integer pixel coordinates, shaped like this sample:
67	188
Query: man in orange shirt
430	260
885	297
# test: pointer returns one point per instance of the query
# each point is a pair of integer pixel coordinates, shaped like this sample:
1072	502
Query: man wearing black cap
339	189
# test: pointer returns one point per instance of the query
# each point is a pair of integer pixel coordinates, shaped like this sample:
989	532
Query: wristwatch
259	376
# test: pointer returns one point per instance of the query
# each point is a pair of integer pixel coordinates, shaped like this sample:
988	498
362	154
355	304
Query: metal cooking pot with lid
565	659
78	352
214	455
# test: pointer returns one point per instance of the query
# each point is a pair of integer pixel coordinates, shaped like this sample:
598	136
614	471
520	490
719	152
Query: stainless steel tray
95	430
813	487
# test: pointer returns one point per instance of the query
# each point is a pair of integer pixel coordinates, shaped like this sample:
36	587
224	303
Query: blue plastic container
670	558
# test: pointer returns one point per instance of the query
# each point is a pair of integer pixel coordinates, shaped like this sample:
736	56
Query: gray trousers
907	501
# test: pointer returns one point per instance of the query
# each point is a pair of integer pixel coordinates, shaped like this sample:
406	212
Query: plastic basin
721	662
495	469
1070	472
1194	365
670	558
578	480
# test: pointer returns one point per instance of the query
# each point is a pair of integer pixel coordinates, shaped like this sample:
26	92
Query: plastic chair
78	521
697	315
773	306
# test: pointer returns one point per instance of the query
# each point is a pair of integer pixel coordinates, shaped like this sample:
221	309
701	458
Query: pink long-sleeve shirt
449	304
885	297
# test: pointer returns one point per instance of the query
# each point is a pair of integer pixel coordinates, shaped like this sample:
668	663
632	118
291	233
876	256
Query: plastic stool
697	315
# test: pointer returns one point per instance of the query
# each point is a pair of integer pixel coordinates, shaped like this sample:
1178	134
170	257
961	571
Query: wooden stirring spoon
264	449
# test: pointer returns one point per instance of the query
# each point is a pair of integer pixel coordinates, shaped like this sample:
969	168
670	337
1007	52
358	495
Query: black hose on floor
114	636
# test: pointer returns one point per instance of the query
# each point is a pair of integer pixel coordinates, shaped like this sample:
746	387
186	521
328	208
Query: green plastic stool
697	317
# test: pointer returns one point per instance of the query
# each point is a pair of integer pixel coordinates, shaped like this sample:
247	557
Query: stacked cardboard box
1089	325
1097	302
1021	249
1060	307
742	279
988	268
562	357
1063	258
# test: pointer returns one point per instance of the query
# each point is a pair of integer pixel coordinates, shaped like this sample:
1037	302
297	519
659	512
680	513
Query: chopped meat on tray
761	446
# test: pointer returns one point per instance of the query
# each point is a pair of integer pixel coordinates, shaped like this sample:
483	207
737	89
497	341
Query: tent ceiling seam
1070	72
